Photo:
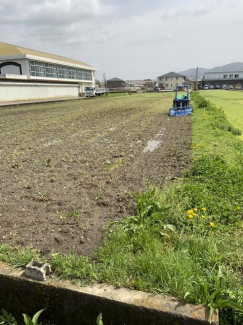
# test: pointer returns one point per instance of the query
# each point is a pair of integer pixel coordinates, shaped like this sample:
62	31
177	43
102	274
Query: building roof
171	75
223	72
13	50
116	79
140	81
134	81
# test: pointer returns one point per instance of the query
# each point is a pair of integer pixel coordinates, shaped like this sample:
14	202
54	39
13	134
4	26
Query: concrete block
69	303
37	270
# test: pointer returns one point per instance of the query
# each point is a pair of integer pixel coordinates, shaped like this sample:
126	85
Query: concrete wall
28	91
71	304
93	78
11	69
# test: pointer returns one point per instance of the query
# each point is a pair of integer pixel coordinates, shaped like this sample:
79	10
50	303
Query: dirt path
66	167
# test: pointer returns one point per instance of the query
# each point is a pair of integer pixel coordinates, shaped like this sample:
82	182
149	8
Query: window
49	70
176	78
236	76
171	85
166	85
225	76
171	79
37	69
88	75
80	74
231	76
72	73
62	72
166	79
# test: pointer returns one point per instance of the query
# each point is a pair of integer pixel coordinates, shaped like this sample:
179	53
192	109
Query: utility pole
196	78
104	79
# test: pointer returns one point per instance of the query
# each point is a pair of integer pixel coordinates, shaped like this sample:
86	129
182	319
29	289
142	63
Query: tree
97	82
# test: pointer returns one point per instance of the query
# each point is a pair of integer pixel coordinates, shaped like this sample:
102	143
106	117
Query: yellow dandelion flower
195	209
194	214
203	217
212	224
238	208
190	216
189	211
204	209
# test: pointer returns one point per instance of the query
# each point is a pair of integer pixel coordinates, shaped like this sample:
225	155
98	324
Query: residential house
170	80
115	83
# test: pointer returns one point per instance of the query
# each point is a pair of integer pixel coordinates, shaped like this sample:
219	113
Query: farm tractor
181	103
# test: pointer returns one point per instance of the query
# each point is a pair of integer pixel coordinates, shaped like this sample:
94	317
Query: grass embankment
185	239
231	102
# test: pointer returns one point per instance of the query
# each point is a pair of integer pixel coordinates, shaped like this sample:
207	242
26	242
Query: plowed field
67	168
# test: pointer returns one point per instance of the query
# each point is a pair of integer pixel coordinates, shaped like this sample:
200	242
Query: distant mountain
236	66
191	73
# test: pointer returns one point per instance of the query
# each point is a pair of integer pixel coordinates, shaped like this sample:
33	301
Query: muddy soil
66	168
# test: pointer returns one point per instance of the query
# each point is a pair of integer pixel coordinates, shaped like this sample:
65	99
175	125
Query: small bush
200	101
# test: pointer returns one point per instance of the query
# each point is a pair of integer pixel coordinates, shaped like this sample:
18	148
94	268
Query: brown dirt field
66	168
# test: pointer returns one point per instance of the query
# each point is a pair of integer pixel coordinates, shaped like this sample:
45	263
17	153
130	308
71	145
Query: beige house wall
169	83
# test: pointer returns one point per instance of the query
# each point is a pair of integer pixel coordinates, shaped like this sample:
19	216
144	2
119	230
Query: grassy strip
231	103
186	239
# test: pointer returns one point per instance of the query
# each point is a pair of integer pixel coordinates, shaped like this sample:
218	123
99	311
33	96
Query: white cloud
129	38
50	12
190	9
53	23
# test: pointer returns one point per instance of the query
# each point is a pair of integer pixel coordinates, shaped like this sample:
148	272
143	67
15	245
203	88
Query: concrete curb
36	102
68	303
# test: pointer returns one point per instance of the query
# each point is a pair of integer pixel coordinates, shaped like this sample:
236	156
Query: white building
29	74
221	79
170	80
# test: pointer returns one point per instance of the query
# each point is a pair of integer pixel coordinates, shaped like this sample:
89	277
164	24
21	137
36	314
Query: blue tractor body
181	103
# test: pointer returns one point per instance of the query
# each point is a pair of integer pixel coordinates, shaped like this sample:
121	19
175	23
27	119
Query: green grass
7	318
200	260
17	256
231	102
209	136
185	239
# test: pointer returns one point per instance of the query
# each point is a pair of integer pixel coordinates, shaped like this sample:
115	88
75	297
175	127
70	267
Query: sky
129	39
